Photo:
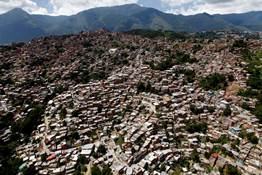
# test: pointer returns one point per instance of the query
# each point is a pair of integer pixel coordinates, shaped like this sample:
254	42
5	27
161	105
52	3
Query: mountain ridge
18	25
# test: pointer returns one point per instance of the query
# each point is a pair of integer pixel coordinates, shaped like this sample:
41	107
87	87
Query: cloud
69	7
189	7
186	7
148	3
218	1
27	5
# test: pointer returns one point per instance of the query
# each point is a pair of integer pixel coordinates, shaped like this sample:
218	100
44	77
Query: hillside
17	25
104	98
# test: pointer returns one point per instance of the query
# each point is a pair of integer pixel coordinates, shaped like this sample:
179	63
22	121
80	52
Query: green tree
231	170
196	110
101	150
27	125
87	44
195	156
141	87
239	44
80	165
6	120
182	58
231	78
196	127
43	157
106	170
144	87
75	135
95	170
10	166
30	170
75	113
214	82
227	111
243	133
119	140
63	113
258	112
223	139
252	138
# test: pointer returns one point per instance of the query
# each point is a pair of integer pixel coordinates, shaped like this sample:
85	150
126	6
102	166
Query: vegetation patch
170	61
214	82
196	127
254	81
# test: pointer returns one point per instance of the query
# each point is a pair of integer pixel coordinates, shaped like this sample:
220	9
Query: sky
185	7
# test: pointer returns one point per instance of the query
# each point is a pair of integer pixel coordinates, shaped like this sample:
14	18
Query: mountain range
17	25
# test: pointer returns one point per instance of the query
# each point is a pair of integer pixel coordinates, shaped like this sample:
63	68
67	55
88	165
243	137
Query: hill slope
17	25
